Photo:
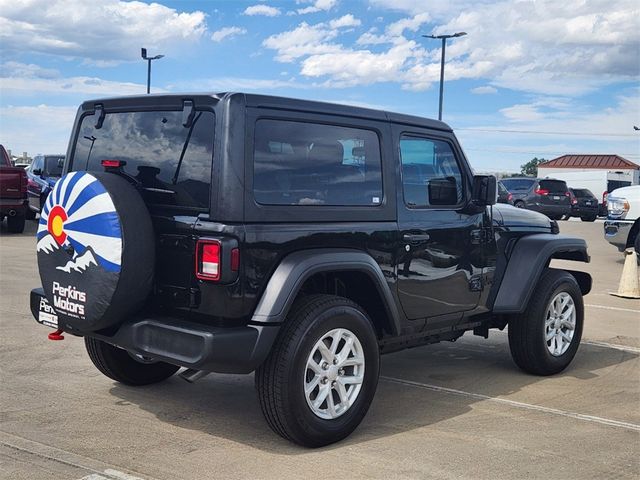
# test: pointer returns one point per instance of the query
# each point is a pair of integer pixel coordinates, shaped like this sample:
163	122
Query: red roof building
604	162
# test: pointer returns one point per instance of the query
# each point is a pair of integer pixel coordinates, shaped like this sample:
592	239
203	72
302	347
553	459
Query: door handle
415	237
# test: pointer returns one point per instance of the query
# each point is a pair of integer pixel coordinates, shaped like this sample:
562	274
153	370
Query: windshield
53	165
515	184
172	163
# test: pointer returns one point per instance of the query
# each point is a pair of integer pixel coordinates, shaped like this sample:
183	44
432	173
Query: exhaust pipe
192	376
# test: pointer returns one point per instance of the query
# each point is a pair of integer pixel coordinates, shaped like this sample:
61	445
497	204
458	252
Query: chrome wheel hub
560	323
334	373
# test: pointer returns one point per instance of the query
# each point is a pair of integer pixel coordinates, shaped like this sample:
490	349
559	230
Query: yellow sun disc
56	226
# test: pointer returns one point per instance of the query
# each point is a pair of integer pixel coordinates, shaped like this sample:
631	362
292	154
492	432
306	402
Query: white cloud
318	6
27	80
522	113
36	129
302	41
345	21
107	31
545	46
227	32
262	9
484	90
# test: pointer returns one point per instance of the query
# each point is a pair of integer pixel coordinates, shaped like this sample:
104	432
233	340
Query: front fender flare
296	268
529	257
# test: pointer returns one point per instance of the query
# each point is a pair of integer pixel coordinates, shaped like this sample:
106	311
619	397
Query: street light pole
143	52
444	46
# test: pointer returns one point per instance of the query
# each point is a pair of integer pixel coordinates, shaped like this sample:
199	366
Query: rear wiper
192	124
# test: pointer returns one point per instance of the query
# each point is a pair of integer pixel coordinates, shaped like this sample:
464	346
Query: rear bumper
190	345
551	210
616	232
13	206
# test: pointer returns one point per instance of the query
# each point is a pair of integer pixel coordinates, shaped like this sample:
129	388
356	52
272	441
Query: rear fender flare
529	257
296	268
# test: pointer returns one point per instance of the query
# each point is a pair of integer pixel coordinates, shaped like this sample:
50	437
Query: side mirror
36	171
485	190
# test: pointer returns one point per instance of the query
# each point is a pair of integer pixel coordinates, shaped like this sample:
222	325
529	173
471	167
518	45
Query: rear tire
15	224
529	331
119	365
288	386
591	218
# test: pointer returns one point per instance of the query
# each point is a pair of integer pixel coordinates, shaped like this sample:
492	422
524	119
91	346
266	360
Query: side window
430	173
299	163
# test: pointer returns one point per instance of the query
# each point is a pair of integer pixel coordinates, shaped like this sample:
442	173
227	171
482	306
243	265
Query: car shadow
226	406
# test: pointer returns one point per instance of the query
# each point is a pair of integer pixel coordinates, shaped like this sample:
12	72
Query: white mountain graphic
47	244
80	263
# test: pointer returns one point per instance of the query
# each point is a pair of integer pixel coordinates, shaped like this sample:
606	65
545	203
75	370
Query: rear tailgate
554	193
11	183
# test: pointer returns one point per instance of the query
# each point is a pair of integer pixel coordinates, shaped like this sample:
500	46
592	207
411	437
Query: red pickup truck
13	193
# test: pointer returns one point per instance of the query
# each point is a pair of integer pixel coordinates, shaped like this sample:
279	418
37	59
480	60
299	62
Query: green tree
531	167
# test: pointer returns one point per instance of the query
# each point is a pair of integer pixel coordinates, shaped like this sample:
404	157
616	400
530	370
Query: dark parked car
504	196
311	239
44	172
13	193
543	195
584	204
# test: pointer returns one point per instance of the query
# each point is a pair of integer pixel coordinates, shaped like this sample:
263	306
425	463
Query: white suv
623	219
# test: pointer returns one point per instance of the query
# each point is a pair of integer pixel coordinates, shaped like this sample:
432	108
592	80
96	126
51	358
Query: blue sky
539	78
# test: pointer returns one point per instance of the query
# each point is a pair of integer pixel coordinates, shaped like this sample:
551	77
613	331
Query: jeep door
440	255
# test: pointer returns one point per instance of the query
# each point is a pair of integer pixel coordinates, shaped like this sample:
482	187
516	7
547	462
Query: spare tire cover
95	248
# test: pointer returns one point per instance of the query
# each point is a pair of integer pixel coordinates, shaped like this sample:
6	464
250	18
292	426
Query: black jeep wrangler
237	233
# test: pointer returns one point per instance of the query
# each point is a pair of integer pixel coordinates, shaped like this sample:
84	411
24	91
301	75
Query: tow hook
57	335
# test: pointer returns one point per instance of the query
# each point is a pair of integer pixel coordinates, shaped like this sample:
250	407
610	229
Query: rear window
553	186
582	193
53	165
171	162
517	184
299	163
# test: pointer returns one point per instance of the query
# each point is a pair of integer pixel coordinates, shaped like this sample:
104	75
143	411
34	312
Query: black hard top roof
275	102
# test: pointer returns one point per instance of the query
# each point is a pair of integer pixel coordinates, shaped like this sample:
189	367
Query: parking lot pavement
452	410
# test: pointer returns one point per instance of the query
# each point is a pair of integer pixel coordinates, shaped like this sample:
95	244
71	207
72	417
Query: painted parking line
618	309
521	405
615	346
111	475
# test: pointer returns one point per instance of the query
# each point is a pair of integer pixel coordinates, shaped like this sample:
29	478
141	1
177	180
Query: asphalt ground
451	410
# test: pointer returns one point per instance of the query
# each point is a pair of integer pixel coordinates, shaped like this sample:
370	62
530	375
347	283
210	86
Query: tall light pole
444	46
143	51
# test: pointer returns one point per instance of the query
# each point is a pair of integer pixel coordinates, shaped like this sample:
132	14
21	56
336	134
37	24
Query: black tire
279	381
15	224
527	330
519	204
119	365
30	215
591	218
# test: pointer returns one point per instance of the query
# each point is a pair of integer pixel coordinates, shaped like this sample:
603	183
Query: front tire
320	378
119	365
544	339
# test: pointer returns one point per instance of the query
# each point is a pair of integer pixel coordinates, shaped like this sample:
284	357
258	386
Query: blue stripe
46	208
92	190
75	177
103	224
41	235
107	265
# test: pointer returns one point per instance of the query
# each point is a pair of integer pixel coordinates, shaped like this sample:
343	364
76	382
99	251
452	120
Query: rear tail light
208	254
567	194
542	191
509	197
235	260
605	194
24	181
